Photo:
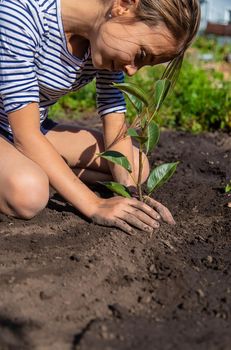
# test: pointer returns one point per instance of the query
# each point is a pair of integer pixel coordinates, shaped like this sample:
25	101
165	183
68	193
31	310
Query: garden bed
69	284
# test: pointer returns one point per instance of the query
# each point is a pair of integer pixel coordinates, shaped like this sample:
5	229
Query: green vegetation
228	187
75	104
144	129
200	101
210	44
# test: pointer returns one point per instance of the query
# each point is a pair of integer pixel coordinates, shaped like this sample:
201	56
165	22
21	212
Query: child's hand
127	213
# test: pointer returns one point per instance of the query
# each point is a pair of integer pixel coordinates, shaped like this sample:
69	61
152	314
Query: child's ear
124	7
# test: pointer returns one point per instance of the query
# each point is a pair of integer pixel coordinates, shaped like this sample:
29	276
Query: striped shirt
36	66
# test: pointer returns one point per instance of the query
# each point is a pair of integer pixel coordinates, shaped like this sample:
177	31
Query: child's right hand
130	213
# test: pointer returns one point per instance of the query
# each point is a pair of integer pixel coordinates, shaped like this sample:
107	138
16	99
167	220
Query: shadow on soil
14	334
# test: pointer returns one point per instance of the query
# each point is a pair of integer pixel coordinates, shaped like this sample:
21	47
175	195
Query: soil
66	283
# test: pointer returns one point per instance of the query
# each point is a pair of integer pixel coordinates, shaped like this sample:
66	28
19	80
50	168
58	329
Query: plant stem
139	189
133	178
151	117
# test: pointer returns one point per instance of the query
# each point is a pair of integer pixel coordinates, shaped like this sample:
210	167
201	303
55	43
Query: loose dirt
66	283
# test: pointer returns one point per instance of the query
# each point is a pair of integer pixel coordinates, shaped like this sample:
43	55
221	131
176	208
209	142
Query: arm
28	140
115	128
117	211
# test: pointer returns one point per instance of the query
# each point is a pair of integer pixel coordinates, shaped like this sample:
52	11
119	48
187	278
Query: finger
146	209
143	217
124	227
114	223
161	209
134	221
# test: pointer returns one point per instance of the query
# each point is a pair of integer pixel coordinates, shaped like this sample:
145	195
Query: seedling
145	130
228	187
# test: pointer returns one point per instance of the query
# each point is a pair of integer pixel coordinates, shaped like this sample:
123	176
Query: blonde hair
181	17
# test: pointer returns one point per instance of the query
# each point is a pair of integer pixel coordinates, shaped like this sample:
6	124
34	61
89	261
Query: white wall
215	11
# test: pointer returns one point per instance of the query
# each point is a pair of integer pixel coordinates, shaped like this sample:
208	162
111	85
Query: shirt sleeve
18	42
109	99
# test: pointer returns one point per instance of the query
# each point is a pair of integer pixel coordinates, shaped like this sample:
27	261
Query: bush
210	44
200	100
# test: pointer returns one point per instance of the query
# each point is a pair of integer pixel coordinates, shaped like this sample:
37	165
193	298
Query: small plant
228	187
145	131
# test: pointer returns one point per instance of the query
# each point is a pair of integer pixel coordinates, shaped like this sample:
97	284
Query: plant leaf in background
153	134
228	187
132	89
117	158
117	188
160	175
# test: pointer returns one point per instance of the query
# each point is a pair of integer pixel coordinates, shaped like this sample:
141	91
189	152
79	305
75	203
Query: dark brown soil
68	284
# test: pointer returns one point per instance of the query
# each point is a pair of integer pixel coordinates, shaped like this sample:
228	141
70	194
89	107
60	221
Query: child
48	48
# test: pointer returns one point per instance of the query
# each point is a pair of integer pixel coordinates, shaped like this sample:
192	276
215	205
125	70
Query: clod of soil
69	284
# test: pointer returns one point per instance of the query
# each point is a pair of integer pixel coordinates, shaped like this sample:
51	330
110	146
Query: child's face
128	47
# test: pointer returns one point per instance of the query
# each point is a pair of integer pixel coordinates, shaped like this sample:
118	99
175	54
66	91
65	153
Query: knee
146	166
28	193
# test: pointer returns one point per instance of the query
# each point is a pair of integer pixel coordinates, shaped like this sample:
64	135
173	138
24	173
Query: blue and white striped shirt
35	65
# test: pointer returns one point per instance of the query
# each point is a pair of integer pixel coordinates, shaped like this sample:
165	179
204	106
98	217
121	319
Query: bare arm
120	212
115	139
34	145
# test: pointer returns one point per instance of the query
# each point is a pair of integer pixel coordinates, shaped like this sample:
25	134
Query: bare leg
24	187
79	148
91	176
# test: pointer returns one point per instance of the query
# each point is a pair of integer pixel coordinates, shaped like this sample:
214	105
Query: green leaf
228	187
141	139
136	103
160	175
117	158
132	89
117	188
161	91
133	133
172	70
153	134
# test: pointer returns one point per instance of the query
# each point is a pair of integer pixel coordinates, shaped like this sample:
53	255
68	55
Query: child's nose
130	69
